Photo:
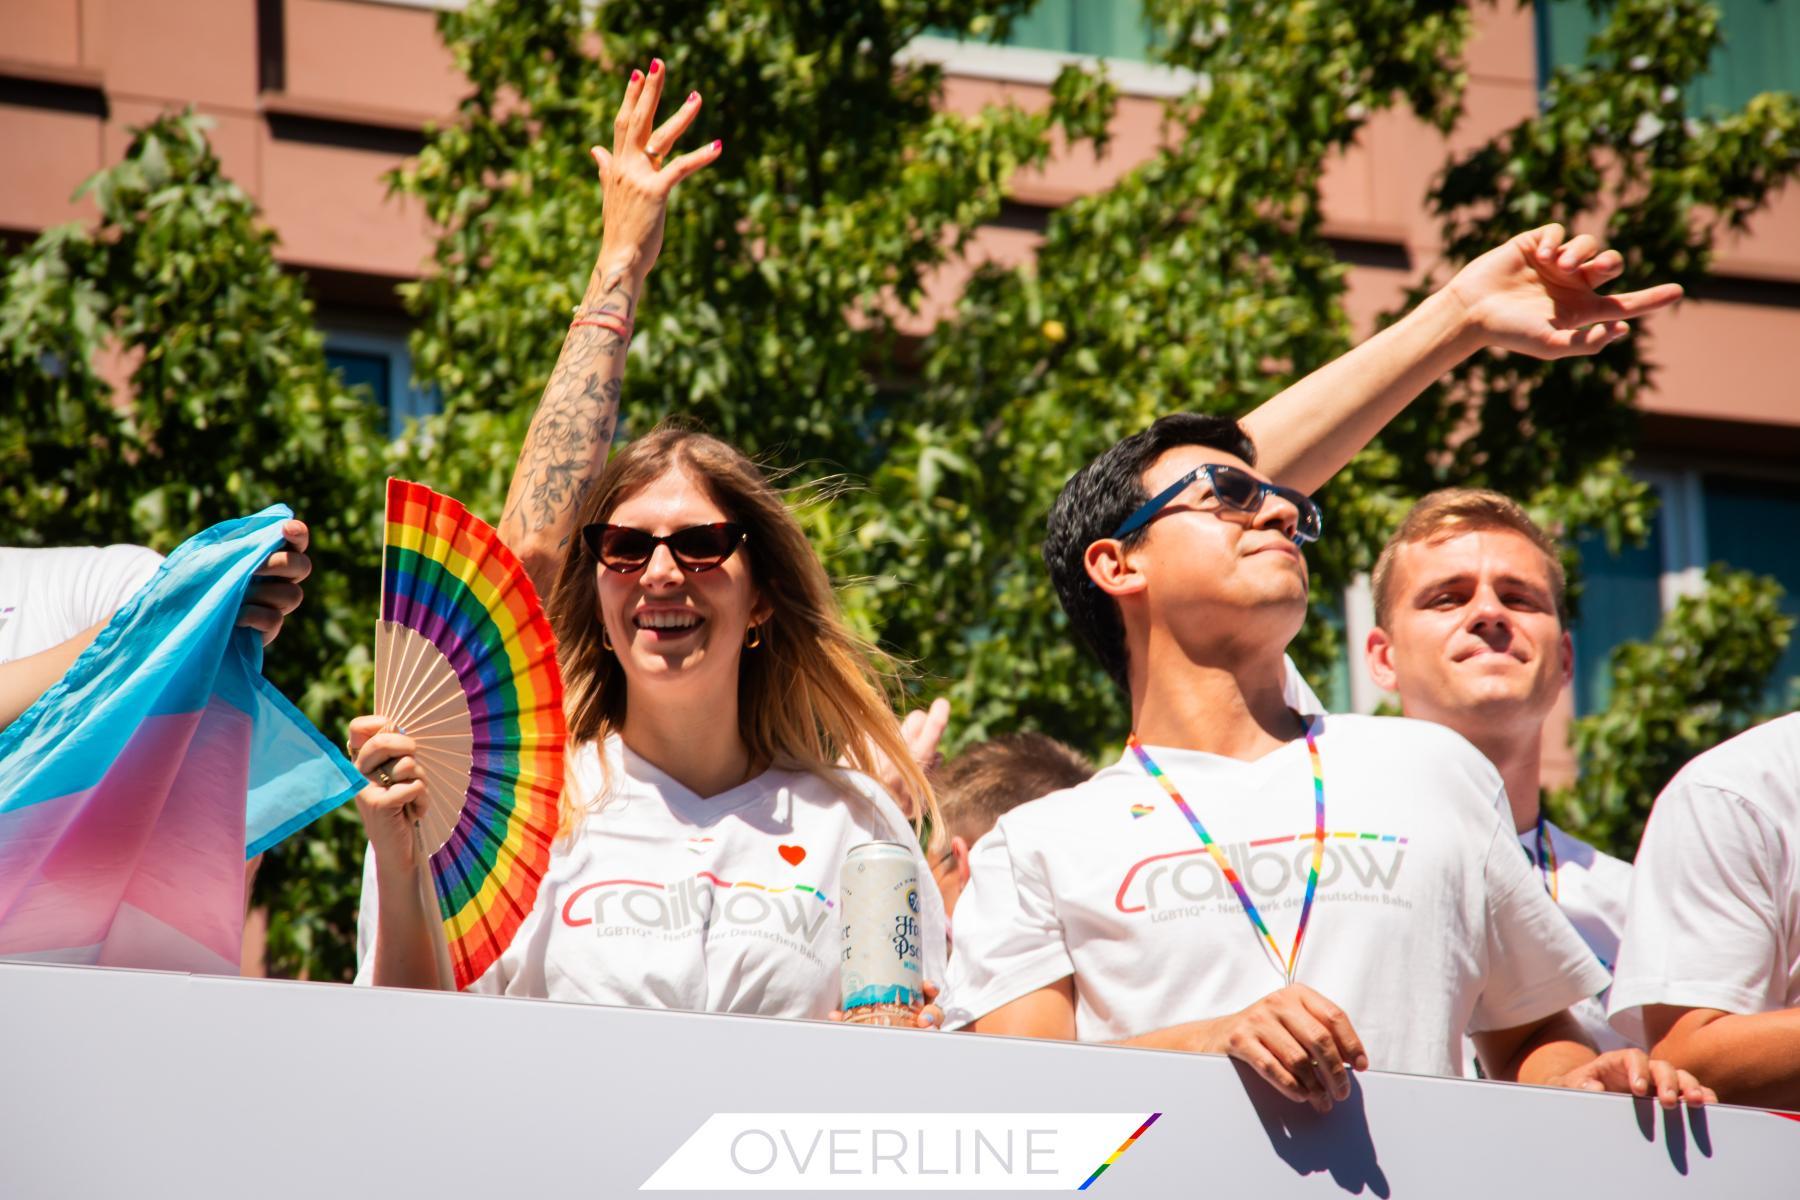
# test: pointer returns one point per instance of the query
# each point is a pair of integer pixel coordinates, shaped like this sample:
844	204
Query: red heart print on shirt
793	855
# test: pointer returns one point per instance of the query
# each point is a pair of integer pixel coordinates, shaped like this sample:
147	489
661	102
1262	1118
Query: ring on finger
383	776
656	157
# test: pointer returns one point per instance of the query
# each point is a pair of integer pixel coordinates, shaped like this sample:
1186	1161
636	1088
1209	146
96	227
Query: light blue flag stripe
173	649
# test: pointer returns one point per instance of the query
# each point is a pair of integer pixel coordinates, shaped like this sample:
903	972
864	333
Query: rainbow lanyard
1218	856
1546	854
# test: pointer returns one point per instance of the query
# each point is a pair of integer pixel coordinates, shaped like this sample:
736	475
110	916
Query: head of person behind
1211	578
987	781
693	612
1471	628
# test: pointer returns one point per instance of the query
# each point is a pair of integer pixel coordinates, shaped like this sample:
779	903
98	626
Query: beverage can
879	974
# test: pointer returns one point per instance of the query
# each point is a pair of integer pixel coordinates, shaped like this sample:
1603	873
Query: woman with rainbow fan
712	688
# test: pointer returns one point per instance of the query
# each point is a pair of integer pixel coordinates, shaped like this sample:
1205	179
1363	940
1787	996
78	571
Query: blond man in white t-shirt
1471	632
1711	958
1166	902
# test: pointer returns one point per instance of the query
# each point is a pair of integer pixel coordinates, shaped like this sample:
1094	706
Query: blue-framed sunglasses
1236	489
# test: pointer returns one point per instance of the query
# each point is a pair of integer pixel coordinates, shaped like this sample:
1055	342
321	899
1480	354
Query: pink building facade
314	100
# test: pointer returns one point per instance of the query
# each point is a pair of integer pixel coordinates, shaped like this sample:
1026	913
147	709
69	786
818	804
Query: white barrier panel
117	1083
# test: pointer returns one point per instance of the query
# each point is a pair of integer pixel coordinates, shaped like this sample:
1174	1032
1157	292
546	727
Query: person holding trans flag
133	790
54	601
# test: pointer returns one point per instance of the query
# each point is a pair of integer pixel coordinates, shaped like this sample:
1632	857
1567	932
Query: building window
1103	32
1103	28
1750	524
377	362
1761	50
1703	518
1621	601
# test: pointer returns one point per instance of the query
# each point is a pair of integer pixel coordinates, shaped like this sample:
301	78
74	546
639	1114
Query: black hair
1097	500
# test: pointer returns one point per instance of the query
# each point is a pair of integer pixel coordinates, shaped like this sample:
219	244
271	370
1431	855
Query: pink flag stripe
145	867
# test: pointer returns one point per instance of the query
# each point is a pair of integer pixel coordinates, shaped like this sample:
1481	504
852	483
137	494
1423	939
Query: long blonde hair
813	691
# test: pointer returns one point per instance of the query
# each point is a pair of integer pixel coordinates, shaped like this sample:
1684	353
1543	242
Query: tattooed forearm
571	431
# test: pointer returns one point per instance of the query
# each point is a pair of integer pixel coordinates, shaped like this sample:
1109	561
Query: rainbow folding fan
465	664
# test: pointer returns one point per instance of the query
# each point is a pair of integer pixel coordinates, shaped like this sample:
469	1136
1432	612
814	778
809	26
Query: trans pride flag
133	791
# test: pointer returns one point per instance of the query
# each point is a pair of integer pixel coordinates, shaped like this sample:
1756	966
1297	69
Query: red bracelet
612	324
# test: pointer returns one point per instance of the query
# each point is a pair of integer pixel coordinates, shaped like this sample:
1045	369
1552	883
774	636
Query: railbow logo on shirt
1355	867
701	905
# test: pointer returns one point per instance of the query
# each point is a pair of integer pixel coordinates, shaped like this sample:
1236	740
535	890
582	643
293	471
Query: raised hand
922	730
275	589
1538	295
636	176
572	430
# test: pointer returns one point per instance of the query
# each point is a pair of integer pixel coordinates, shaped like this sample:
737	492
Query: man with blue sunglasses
1312	894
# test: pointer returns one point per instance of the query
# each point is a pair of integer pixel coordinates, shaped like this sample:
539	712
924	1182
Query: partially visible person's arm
572	430
23	680
405	950
1748	1058
1555	1052
1535	295
1702	944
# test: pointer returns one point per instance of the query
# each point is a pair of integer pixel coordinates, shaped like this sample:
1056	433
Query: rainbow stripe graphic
773	891
447	576
1119	1153
1546	859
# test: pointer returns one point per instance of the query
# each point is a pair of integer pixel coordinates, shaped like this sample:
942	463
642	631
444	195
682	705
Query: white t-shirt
1428	921
727	903
1591	889
47	596
1714	916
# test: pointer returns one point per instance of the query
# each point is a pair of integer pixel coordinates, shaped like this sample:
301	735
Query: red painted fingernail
718	146
693	97
655	65
636	76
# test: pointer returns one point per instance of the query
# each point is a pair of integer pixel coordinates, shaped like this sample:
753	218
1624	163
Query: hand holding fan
465	664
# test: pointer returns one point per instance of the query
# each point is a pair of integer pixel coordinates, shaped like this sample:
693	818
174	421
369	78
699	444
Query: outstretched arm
1751	1058
570	433
1535	295
1554	1052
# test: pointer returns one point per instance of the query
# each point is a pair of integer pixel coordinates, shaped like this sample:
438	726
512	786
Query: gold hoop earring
753	638
605	638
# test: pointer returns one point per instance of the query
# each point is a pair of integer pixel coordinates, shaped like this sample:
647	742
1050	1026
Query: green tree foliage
769	316
1700	680
1614	150
1202	280
229	407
